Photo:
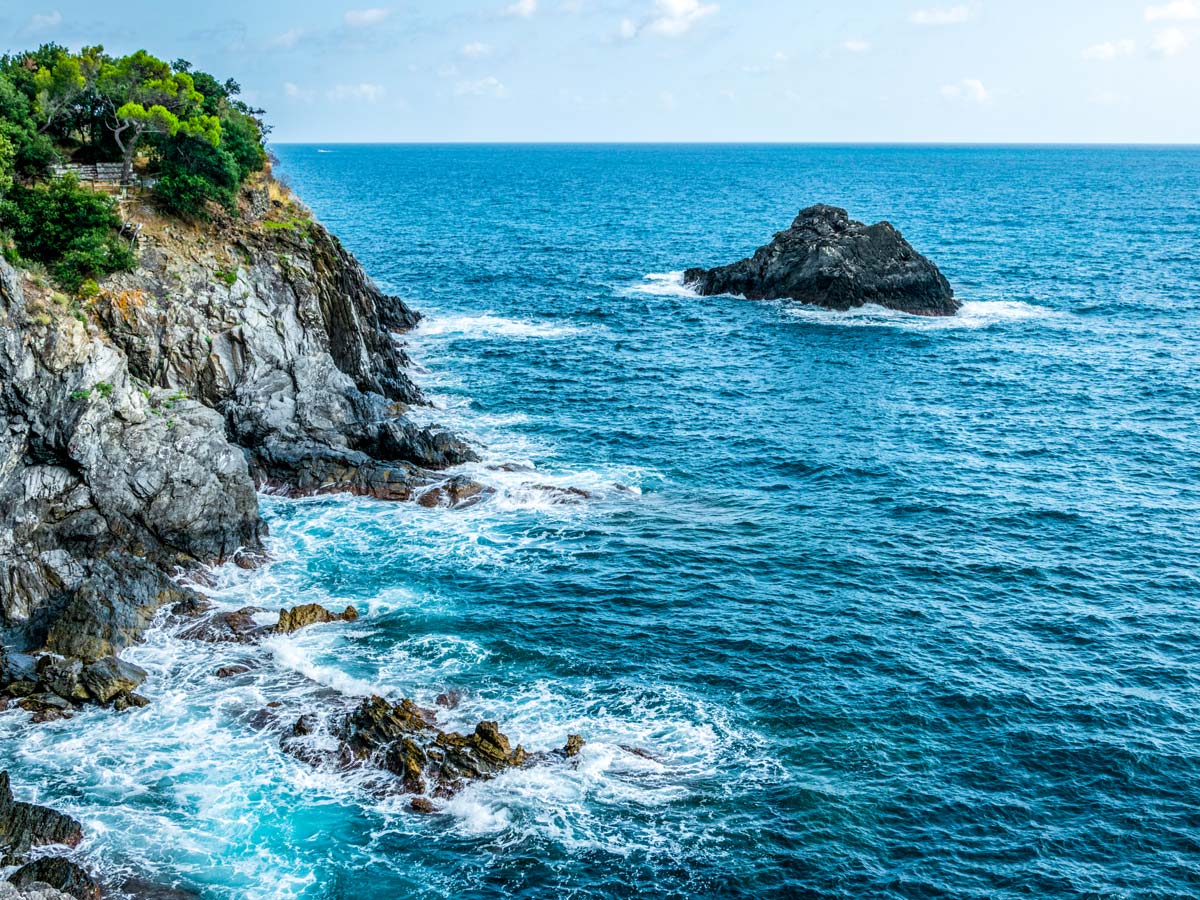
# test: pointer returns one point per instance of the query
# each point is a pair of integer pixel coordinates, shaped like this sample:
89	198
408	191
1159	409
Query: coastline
182	372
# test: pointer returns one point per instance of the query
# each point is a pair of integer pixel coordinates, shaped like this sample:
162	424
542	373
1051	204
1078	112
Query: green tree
58	87
146	97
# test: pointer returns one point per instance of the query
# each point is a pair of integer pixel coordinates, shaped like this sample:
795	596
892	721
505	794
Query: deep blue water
861	605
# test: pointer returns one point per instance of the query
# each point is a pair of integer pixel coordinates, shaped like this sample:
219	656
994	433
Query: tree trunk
127	163
127	149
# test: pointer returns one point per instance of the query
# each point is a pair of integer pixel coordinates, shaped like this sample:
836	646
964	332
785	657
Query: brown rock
459	491
574	745
291	620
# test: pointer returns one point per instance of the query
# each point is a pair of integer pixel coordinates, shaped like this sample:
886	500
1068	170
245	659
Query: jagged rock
36	891
574	746
428	447
422	805
311	614
61	677
24	826
110	609
826	259
131	442
129	700
448	699
459	491
60	874
107	678
405	739
232	671
46	707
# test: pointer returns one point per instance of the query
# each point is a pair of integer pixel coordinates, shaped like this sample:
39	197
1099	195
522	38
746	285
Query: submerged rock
311	614
455	493
238	627
827	259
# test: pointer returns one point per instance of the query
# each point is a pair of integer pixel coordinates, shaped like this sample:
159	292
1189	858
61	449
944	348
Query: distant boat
324	151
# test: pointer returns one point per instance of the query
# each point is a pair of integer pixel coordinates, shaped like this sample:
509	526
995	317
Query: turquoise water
861	605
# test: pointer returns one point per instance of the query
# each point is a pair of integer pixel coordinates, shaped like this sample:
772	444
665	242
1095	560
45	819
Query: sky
984	71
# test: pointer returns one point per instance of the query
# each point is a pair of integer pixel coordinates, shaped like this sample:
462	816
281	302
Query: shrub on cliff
71	230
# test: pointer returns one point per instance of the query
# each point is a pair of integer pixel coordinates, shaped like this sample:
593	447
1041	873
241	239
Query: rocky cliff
137	423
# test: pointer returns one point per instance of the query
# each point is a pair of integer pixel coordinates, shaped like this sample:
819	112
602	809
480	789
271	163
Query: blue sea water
860	604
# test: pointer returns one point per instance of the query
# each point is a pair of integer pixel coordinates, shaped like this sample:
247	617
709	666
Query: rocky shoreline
245	354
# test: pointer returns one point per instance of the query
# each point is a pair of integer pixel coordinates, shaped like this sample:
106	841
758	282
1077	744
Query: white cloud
628	30
522	8
675	17
1171	41
295	92
484	87
363	18
366	92
1110	50
856	46
1176	11
941	15
288	39
475	50
971	89
45	20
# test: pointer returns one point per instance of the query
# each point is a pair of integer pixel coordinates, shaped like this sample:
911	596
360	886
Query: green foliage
242	139
80	395
195	173
104	389
228	276
68	228
8	156
92	255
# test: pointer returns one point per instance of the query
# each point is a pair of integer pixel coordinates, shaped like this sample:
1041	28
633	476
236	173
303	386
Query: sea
846	605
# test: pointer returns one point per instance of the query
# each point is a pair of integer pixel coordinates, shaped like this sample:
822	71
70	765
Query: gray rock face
827	259
283	333
102	492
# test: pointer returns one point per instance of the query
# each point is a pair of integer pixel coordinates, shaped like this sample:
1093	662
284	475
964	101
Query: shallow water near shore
859	604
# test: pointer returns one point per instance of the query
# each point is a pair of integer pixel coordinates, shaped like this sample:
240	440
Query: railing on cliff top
100	173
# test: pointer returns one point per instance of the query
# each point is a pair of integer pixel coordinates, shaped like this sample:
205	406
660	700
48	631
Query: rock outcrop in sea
405	741
827	259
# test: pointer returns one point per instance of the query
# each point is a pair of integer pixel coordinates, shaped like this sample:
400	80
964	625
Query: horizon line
649	143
